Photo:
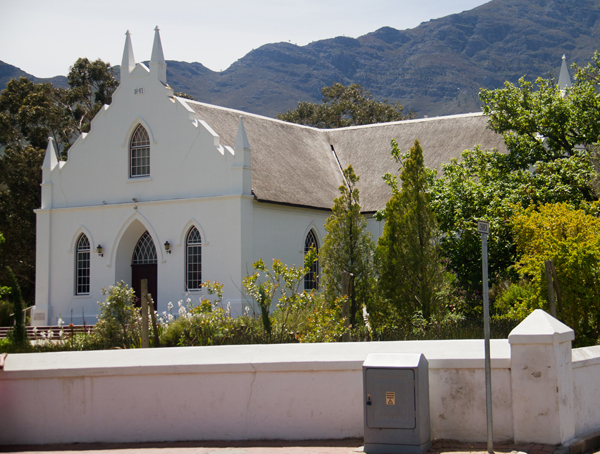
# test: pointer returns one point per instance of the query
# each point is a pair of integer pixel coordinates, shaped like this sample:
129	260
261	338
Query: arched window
82	266
311	279
144	252
193	261
139	153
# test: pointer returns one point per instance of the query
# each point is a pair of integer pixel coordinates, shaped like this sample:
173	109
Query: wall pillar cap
541	328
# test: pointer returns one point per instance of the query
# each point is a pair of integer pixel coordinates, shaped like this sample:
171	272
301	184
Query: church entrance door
144	266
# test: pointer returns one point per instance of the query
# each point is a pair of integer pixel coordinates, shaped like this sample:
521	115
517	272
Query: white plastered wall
194	180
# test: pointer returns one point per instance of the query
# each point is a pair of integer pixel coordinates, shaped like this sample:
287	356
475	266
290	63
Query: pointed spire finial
564	79
157	60
241	141
50	160
128	61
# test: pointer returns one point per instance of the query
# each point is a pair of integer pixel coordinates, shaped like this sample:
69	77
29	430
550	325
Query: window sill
82	296
139	179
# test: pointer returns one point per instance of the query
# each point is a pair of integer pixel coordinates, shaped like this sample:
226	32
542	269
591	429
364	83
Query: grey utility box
396	403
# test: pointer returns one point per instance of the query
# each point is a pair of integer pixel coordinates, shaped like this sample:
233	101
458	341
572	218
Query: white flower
35	331
60	322
228	310
188	301
170	317
170	306
246	310
366	318
62	333
50	334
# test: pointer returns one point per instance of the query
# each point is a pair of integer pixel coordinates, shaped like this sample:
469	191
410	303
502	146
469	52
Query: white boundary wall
586	388
297	391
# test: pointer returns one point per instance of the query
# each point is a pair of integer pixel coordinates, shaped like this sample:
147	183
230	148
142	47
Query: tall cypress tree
348	246
409	268
18	334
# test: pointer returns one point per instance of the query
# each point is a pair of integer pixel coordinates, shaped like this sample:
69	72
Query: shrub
119	321
285	281
18	335
208	323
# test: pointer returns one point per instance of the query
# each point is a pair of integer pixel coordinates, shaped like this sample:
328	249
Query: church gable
148	145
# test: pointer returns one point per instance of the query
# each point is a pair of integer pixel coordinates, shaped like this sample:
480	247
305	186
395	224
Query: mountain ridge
436	68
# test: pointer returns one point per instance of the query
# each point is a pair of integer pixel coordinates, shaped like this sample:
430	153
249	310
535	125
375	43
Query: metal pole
488	364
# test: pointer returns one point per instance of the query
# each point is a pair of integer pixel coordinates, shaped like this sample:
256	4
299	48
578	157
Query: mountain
436	68
8	72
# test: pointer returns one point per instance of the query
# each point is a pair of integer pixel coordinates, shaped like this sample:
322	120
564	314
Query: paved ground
349	446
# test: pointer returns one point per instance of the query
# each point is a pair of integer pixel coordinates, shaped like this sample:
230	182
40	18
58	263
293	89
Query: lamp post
483	228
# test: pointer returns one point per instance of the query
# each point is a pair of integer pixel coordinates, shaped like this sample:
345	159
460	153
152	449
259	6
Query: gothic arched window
82	266
193	261
311	279
139	153
144	252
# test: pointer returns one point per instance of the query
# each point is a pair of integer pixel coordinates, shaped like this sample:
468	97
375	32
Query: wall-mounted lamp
99	250
167	247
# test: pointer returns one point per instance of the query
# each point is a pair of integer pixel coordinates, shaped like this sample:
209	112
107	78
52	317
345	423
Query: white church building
180	192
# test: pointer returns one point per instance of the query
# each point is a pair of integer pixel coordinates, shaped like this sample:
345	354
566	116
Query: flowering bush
208	323
119	321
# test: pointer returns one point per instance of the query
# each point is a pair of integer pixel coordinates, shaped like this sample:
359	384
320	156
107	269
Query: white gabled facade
221	189
194	181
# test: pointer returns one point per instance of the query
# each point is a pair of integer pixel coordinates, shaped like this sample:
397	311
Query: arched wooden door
144	266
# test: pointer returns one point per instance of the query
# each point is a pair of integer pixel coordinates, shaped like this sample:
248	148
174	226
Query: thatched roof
367	148
295	164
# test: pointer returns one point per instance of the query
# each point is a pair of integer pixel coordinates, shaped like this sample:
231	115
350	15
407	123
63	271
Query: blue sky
44	37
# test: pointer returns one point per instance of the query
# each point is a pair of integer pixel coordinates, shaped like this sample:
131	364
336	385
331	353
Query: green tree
541	123
571	238
552	139
20	178
29	114
5	305
486	185
91	86
348	247
18	335
345	106
408	262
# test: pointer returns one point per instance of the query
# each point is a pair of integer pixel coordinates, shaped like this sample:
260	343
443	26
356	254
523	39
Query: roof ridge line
412	120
